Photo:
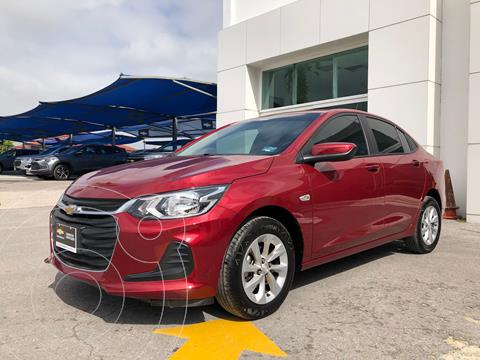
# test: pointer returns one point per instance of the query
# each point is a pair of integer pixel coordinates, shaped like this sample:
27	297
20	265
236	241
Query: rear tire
1	168
61	172
257	270
427	231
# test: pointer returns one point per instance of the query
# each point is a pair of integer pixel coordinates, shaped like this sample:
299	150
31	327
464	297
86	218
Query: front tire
429	226
257	270
61	172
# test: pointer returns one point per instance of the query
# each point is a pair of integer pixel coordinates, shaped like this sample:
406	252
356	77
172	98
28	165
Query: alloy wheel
264	269
62	172
430	225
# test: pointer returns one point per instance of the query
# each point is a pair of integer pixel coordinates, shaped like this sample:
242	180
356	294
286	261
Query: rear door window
386	137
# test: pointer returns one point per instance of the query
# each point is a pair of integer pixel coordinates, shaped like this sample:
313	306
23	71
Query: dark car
158	152
7	158
235	214
78	160
23	163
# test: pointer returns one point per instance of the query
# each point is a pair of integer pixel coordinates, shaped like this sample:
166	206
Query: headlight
179	204
50	159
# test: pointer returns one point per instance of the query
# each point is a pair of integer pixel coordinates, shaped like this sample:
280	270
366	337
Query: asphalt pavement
385	303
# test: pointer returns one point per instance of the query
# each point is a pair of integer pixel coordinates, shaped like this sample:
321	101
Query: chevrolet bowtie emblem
69	210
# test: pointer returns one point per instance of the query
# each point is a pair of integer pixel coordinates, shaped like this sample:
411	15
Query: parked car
233	215
23	163
8	157
159	152
78	160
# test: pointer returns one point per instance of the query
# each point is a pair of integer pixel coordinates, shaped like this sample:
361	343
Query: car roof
328	112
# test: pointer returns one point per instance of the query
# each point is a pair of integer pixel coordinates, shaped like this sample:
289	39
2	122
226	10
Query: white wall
404	67
454	97
235	11
404	38
473	181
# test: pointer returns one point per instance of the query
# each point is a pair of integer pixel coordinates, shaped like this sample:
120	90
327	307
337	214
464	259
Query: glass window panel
334	76
314	80
278	87
386	137
411	143
404	141
352	73
343	129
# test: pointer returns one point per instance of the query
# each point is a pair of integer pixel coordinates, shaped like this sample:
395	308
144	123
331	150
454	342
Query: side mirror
330	152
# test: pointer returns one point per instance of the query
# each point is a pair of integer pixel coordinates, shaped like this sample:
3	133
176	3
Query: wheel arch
290	222
436	195
66	163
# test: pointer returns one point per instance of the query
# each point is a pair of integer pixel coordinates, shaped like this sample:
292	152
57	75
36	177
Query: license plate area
65	237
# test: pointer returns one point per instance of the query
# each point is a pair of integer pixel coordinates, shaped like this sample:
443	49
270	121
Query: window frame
309	143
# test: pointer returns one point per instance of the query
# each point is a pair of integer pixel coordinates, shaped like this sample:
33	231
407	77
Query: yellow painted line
220	339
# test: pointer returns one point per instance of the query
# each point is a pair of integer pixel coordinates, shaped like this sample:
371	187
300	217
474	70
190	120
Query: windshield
267	136
168	147
165	148
72	149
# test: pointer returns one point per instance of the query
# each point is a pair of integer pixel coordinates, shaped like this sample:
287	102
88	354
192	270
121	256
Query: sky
54	50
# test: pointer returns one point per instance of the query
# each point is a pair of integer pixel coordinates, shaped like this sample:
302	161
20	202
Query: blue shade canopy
127	102
104	137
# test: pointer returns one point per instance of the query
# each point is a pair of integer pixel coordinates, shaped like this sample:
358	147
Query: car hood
40	157
25	157
167	174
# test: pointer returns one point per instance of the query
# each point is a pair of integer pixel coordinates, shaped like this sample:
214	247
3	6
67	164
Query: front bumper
141	245
21	165
40	168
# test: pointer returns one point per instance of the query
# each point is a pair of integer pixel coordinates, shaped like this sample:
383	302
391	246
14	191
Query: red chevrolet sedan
233	215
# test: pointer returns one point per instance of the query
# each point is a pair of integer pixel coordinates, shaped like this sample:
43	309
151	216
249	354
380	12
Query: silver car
23	163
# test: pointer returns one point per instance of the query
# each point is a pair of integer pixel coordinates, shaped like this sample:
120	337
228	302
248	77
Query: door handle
416	163
373	168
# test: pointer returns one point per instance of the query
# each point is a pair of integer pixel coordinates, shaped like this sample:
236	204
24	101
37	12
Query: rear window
411	143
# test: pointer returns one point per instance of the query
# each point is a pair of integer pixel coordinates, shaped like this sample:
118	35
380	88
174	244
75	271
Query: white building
416	62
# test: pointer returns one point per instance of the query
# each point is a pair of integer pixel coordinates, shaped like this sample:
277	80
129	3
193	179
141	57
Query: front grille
96	239
105	205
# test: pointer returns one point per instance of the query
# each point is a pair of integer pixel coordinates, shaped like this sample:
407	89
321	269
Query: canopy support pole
70	139
43	143
113	135
174	132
